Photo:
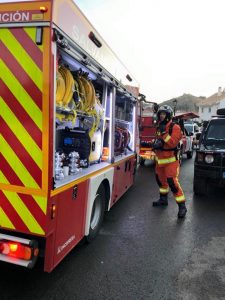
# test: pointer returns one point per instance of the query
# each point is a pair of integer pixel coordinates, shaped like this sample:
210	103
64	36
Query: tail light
18	251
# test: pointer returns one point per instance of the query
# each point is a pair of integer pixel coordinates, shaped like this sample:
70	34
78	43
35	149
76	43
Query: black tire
97	214
142	161
189	154
199	186
180	156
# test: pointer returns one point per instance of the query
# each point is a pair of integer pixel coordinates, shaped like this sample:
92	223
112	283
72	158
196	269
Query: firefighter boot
163	201
182	210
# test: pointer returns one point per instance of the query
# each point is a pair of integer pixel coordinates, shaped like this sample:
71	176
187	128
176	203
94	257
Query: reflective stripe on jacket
171	141
164	161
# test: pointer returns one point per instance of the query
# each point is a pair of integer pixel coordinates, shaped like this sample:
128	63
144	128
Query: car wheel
97	213
180	155
189	154
199	186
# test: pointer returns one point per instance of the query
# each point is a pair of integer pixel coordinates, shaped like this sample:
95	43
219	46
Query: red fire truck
147	130
68	130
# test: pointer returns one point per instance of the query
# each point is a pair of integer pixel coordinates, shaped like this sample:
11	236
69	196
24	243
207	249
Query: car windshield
188	127
215	134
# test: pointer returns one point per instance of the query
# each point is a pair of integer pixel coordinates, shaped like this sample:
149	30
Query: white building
222	104
208	107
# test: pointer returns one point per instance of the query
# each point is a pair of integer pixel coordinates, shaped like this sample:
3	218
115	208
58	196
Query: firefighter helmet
167	110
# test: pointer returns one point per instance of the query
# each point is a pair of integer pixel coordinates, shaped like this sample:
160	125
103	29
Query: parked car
209	165
186	145
194	130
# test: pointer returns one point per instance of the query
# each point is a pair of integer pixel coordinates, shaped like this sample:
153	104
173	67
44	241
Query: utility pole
174	106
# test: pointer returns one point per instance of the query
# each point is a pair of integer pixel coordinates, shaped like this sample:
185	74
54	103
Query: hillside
186	102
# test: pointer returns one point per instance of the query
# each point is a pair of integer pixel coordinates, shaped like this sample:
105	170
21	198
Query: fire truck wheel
200	186
97	213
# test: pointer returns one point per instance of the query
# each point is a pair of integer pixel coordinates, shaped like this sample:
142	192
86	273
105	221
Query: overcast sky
171	46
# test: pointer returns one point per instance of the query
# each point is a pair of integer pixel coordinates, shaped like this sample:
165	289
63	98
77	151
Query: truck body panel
47	214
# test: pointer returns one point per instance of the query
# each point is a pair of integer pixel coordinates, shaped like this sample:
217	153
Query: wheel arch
106	179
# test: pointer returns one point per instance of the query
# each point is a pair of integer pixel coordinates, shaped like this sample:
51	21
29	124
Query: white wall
222	104
205	114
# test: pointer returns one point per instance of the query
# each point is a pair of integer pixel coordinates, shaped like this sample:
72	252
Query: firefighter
168	136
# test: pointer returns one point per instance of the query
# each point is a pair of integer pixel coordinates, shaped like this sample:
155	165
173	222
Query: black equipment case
77	139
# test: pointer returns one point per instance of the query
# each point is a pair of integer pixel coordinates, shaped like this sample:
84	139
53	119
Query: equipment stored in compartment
122	140
96	144
77	139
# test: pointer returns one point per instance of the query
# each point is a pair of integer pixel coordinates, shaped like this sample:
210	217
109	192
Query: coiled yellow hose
69	84
60	89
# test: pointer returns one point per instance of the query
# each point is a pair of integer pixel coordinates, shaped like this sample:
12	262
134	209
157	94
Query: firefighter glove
158	144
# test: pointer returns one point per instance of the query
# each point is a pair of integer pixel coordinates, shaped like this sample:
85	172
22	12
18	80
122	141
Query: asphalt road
141	252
